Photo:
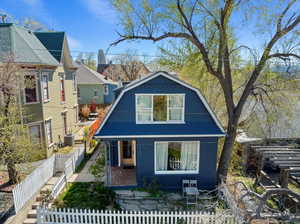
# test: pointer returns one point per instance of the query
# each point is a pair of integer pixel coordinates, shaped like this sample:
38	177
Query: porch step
32	214
30	221
39	198
35	205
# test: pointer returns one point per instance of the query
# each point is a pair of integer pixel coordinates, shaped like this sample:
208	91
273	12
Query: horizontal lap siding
197	119
207	166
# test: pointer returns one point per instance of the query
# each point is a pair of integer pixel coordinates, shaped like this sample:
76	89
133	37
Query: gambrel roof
137	83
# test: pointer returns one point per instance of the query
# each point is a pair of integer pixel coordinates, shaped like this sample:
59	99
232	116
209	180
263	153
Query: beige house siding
54	108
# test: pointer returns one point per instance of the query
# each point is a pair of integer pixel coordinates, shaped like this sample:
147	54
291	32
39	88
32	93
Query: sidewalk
85	175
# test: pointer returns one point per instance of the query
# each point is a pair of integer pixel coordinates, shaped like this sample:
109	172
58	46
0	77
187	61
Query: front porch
123	176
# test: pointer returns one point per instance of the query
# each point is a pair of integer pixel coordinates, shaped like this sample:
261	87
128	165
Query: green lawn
86	196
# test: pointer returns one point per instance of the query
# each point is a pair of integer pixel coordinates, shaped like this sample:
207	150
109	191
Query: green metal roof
53	41
23	45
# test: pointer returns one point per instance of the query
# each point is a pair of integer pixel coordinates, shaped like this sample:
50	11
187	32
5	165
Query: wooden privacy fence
77	216
25	190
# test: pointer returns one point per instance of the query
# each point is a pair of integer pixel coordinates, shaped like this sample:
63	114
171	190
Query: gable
199	119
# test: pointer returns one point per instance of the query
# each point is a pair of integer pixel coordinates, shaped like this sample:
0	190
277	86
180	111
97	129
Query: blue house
160	129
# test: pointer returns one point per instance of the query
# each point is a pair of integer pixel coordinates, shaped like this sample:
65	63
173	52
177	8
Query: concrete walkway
85	175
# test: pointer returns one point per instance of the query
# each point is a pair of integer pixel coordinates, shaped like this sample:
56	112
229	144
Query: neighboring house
50	103
93	88
126	71
160	129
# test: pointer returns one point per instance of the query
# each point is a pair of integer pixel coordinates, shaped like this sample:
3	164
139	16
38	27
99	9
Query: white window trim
182	121
45	73
168	76
37	123
177	171
62	77
36	90
49	143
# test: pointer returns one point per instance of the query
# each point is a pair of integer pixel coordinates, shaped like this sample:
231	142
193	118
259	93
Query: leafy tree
15	143
275	22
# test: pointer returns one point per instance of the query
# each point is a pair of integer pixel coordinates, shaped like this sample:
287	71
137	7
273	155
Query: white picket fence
66	163
86	216
25	190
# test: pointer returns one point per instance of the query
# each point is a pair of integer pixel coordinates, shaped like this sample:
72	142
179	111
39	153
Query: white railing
25	190
60	184
86	216
66	163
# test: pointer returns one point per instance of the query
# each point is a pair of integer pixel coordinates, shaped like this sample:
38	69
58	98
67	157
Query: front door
127	153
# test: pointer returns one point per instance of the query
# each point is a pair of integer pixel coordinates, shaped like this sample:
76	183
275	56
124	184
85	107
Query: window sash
35	133
48	125
163	161
45	86
147	106
30	93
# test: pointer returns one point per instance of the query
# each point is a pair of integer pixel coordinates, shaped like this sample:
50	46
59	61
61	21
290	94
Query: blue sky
90	24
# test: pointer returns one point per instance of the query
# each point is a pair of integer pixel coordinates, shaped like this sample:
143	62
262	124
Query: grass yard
87	196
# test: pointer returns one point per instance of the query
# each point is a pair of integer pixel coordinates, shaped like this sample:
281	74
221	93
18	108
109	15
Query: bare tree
126	67
15	142
186	20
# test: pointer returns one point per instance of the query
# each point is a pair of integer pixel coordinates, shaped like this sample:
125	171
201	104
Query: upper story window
74	81
62	88
159	108
106	90
45	86
30	90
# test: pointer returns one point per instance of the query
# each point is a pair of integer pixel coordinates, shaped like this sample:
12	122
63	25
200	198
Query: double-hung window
48	127
30	90
45	86
177	157
35	133
160	108
62	87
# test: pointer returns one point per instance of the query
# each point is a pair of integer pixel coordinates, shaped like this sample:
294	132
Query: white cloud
38	11
73	43
100	9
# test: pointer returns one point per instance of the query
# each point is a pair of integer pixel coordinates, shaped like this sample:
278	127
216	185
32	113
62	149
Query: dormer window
159	108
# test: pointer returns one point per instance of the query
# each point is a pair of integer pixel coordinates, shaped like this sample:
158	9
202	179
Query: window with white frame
159	108
48	127
74	81
45	86
35	133
30	90
177	157
62	87
106	90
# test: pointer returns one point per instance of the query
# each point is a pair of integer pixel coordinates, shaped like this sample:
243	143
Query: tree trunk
12	173
226	153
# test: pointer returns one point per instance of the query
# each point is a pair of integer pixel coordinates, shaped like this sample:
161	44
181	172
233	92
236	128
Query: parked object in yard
159	131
